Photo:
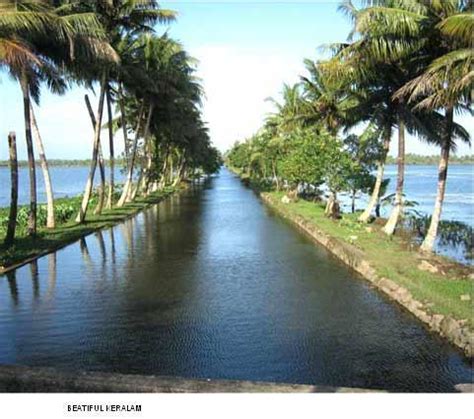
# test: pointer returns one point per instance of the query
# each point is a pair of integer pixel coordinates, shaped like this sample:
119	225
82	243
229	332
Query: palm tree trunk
10	236
365	216
100	202
144	178
332	206
275	175
397	210
124	122
149	165
110	196
146	184
95	153
430	238
132	193
170	168
50	223
32	216
162	182
377	209
141	176
102	187
179	176
131	163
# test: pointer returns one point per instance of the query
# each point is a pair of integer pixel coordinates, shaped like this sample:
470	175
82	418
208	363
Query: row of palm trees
149	80
406	67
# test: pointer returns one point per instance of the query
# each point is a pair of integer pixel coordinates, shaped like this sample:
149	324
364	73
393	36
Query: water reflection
112	245
212	284
52	275
12	285
35	278
103	253
85	250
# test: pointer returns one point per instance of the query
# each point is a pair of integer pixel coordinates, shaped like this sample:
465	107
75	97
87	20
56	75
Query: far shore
410	160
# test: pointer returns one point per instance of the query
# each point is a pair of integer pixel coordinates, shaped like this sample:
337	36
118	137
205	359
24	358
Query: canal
212	284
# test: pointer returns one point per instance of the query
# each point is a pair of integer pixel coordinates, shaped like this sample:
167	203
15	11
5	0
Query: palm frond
459	26
386	20
16	54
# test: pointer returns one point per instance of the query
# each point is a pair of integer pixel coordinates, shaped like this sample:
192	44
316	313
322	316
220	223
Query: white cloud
237	81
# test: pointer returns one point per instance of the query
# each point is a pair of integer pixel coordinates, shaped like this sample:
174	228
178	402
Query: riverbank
435	290
28	248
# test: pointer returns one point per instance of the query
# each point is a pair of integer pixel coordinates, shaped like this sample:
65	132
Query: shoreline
454	330
48	241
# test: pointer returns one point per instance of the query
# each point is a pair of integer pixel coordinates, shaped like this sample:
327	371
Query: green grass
46	240
393	258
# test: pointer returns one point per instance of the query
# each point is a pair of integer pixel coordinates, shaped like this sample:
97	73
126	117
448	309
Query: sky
246	51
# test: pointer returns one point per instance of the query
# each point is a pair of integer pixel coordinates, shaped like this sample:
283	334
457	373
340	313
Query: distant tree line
410	159
431	160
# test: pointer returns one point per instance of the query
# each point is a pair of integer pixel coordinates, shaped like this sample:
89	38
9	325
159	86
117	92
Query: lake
67	181
421	185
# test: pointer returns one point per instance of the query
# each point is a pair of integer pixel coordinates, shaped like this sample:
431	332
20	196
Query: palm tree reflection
11	278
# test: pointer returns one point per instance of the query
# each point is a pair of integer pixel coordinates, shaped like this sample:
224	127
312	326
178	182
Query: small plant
64	212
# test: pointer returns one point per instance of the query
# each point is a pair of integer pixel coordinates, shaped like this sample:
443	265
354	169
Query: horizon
246	51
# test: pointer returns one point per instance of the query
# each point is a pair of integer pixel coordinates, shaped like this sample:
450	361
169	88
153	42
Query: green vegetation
407	66
393	259
67	230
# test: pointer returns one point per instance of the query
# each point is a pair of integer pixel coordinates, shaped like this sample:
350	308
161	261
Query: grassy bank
448	292
67	230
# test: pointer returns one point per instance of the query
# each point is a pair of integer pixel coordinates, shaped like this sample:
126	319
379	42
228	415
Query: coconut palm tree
377	63
434	38
327	99
174	93
291	111
117	17
34	41
11	227
19	25
369	85
445	57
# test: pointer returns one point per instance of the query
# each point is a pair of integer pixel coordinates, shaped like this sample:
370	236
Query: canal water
212	284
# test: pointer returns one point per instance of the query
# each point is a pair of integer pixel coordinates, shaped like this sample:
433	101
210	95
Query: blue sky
246	51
